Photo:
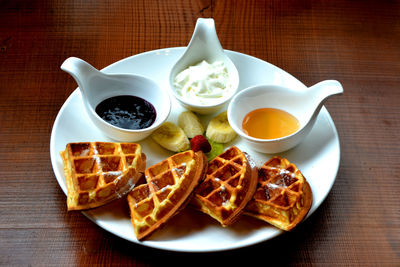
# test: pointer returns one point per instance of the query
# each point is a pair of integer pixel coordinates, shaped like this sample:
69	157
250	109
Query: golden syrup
269	123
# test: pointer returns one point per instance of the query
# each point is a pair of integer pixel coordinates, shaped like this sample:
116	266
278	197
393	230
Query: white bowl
139	86
97	86
303	104
204	45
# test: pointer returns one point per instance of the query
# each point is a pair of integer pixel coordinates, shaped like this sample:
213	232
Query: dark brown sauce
127	111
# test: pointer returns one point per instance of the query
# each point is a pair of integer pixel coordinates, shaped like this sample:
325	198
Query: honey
269	123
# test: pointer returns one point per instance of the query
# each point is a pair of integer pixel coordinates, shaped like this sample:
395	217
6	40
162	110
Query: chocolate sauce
127	111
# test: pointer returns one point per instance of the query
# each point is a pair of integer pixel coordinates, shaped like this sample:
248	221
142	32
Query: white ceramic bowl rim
156	123
238	129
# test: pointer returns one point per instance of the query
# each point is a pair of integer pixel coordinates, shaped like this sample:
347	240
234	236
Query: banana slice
190	124
171	137
219	130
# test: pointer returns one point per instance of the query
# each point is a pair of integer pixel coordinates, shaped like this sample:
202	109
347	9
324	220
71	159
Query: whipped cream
203	83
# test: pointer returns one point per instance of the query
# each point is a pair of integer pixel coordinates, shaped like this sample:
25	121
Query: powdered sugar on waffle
283	171
128	187
165	188
250	160
115	173
84	152
179	169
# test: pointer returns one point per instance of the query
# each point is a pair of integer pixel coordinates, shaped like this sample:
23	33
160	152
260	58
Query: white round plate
191	231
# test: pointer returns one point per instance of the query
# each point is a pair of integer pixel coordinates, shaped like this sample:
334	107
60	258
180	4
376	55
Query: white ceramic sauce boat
204	45
302	104
96	86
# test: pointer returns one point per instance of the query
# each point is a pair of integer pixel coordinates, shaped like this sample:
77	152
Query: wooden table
354	42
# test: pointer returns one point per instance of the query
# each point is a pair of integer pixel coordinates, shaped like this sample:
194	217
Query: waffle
283	197
229	184
169	184
99	172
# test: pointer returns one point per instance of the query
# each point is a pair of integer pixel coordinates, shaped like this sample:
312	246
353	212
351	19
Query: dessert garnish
171	137
200	143
219	130
216	149
190	124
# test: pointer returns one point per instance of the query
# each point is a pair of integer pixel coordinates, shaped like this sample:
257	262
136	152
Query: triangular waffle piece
169	184
99	172
283	197
229	184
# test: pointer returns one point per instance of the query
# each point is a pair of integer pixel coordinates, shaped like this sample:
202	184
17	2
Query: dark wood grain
355	42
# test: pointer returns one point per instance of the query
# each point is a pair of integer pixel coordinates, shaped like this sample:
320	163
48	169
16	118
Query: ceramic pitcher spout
323	90
319	93
80	70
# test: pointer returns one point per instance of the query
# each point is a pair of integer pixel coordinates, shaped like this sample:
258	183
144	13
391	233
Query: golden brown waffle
99	172
283	197
169	184
229	184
